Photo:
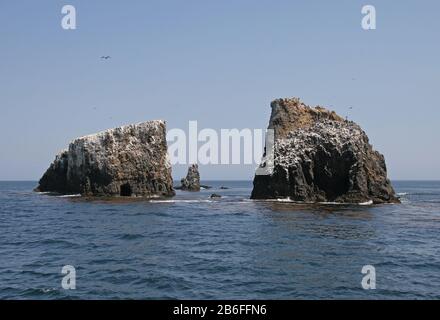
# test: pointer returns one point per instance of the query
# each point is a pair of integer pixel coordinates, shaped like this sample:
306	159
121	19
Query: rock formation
192	180
127	161
321	157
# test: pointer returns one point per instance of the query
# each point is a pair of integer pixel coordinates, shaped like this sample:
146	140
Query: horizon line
392	180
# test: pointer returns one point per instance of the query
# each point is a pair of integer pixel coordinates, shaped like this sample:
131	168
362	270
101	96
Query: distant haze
220	63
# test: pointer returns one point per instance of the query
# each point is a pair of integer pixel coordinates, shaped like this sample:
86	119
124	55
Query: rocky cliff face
192	180
127	161
320	157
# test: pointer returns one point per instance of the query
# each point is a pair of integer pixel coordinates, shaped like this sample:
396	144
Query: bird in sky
106	57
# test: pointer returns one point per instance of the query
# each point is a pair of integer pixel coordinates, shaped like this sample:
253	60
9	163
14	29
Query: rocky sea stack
127	161
321	157
192	180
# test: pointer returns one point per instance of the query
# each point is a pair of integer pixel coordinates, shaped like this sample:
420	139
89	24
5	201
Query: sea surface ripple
192	247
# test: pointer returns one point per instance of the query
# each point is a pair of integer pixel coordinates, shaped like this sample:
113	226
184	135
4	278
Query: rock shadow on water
117	200
343	222
354	211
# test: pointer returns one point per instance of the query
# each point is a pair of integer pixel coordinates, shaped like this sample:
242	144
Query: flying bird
106	57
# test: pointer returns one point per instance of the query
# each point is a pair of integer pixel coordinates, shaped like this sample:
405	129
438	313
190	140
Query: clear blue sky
221	63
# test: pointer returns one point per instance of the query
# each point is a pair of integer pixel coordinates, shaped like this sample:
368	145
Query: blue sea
192	247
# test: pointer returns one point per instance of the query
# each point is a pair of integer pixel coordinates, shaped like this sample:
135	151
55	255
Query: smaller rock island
129	161
192	180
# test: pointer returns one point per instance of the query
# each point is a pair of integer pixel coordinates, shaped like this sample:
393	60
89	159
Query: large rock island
320	157
126	161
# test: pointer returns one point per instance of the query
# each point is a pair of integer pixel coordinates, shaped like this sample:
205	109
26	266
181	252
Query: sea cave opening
126	190
332	173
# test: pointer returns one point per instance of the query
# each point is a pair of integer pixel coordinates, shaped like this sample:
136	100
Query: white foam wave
69	196
284	200
288	200
180	201
332	203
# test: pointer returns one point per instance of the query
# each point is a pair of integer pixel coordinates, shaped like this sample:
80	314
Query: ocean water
192	247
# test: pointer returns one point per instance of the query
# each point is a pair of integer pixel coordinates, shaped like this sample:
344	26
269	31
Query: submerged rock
127	161
192	180
320	157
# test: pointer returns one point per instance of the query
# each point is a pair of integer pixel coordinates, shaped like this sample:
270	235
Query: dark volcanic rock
192	180
320	157
127	161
